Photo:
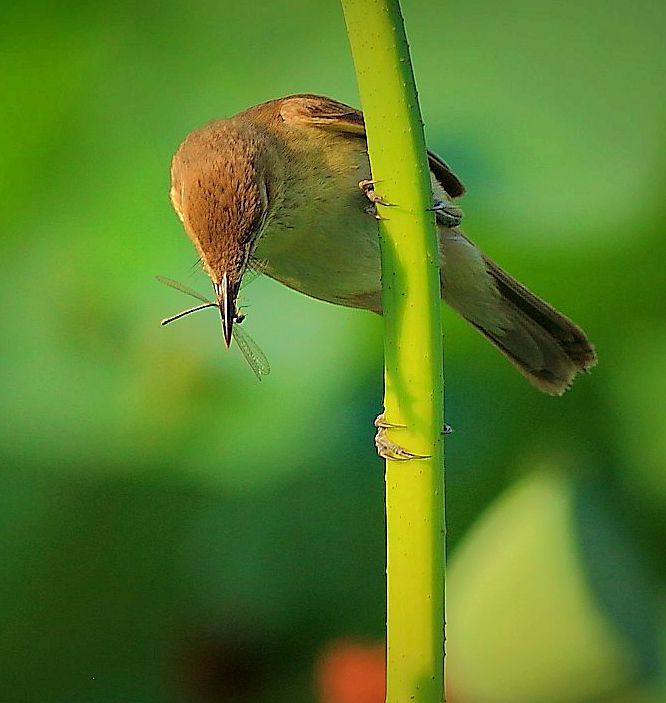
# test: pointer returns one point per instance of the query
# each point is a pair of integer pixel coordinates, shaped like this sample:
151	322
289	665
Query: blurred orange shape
350	672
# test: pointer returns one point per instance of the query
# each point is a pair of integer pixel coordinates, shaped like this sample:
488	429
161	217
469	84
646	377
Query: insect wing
249	276
255	358
253	355
182	288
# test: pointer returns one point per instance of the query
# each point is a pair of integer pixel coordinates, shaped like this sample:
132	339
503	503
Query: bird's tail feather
544	345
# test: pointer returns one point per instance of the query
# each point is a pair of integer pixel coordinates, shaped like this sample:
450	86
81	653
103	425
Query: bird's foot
448	214
368	189
387	449
372	210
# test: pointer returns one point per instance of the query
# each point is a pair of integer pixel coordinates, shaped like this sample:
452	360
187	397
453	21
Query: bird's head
219	191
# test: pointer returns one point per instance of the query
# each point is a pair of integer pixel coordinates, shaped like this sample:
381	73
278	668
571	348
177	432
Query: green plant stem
413	351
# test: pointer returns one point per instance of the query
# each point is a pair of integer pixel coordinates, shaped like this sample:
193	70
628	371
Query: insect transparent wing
182	288
249	276
258	265
255	358
253	355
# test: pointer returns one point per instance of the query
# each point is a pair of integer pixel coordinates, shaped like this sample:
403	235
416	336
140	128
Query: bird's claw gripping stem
387	449
368	189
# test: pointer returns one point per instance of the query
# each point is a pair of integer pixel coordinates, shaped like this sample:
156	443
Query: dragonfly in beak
225	294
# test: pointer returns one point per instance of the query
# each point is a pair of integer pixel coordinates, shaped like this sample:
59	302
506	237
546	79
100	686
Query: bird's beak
226	293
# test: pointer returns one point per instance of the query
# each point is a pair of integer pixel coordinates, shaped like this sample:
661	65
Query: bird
284	186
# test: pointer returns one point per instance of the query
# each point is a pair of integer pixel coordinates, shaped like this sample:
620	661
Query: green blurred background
174	531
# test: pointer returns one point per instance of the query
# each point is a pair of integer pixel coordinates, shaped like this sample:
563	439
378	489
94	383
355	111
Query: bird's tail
544	345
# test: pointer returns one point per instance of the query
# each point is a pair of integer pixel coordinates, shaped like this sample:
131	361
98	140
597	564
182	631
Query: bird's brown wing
326	113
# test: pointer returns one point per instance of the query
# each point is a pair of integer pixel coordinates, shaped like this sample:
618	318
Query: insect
255	358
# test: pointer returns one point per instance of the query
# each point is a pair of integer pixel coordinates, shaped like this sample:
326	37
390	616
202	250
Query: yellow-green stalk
413	351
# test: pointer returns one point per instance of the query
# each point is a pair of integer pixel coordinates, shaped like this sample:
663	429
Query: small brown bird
278	186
